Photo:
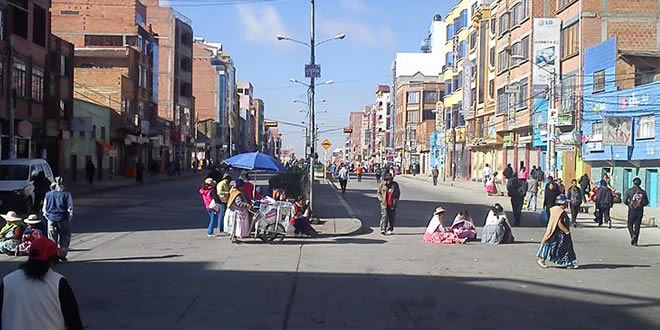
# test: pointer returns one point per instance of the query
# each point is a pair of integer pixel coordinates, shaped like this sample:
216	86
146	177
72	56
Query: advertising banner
617	131
468	66
545	50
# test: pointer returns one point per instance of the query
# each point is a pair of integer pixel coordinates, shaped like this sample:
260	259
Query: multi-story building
259	128
485	147
115	65
354	142
457	88
415	117
382	131
246	106
274	142
37	92
173	66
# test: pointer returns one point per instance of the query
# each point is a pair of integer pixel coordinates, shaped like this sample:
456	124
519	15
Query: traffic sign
312	71
348	130
326	144
270	124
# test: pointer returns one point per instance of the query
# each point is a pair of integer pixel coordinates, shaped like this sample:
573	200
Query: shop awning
106	147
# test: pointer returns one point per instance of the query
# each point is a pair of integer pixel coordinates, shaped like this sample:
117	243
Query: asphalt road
141	260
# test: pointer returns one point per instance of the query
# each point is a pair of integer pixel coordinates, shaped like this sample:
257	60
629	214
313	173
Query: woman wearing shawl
463	226
436	233
211	205
491	186
237	215
497	229
557	245
11	234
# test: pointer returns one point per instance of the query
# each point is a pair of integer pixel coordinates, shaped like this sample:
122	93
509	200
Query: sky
375	30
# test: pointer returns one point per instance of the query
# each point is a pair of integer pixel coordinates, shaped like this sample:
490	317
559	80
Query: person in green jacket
223	194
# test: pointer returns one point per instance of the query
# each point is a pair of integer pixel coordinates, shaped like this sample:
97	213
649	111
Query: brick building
36	71
354	142
259	128
116	65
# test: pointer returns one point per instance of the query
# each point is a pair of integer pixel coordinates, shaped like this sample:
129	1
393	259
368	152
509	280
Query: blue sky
375	30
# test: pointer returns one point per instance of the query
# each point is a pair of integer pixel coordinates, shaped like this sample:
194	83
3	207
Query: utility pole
551	125
312	131
11	100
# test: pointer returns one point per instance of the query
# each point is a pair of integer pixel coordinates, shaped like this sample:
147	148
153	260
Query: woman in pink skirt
436	233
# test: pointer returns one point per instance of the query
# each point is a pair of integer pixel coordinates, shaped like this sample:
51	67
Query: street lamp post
311	89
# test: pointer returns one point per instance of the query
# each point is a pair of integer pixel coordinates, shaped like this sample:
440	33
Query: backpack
637	200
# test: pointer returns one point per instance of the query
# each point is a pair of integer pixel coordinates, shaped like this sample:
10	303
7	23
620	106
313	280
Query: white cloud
357	31
261	23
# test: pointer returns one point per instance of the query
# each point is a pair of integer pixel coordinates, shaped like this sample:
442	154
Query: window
473	41
186	64
142	76
39	25
2	24
502	102
524	48
140	40
491	57
515	14
93	132
20	77
186	90
646	129
413	97
473	9
491	89
102	132
462	50
504	23
428	115
450	31
20	18
516	51
596	131
568	97
413	117
524	10
448	86
523	95
493	23
459	81
430	97
449	58
599	81
104	41
502	61
570	40
563	3
37	84
69	12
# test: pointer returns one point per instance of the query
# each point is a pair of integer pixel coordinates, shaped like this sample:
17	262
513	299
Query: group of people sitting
497	229
17	235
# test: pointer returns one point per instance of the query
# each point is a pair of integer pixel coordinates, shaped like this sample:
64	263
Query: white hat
32	219
10	216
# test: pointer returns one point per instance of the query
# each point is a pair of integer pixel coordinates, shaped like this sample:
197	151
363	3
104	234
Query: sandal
541	263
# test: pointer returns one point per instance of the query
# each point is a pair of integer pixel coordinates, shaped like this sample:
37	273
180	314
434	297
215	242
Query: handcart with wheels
271	220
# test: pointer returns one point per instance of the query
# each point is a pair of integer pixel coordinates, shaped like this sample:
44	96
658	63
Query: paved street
141	260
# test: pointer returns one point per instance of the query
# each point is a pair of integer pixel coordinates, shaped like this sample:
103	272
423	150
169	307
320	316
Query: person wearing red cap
37	297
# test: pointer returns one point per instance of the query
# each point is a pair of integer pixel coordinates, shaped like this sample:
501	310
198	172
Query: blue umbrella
255	161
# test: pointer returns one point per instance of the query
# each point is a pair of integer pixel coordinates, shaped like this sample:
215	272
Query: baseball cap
43	249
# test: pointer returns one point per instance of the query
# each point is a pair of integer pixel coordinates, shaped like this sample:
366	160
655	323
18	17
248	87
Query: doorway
652	187
627	179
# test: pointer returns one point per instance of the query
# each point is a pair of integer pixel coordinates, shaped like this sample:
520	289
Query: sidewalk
618	213
119	182
336	216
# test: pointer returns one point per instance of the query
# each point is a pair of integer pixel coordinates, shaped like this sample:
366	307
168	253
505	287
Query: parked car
17	183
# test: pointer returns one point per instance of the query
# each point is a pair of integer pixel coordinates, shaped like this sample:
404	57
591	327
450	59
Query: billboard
468	66
545	51
617	131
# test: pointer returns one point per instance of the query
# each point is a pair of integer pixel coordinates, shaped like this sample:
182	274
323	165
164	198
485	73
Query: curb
131	185
360	229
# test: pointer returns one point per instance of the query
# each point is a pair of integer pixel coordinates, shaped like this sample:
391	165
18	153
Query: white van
17	183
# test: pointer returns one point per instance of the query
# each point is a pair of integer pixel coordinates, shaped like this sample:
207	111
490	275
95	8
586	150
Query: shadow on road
169	256
611	266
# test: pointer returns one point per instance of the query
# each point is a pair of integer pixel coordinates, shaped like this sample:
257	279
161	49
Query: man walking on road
343	178
58	210
636	198
388	195
575	197
358	171
435	174
532	192
604	201
487	172
516	189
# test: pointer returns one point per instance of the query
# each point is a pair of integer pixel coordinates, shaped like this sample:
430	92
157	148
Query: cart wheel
273	232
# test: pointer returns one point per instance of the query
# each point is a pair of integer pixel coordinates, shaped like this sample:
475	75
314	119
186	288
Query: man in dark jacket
574	196
550	194
585	185
388	195
604	201
508	171
516	189
636	198
435	173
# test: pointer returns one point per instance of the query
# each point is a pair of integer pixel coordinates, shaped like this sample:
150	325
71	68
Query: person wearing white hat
31	233
11	233
58	210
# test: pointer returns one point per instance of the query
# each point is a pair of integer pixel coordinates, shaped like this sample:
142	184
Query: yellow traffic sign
326	144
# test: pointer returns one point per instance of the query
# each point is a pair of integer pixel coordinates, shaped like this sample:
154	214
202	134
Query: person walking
58	210
585	185
139	171
358	171
516	189
211	204
90	170
550	194
379	173
388	195
557	244
487	172
575	197
343	178
636	199
434	174
532	193
37	297
508	172
523	174
604	201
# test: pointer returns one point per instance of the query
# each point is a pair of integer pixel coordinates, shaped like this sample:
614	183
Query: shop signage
617	131
565	119
507	140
